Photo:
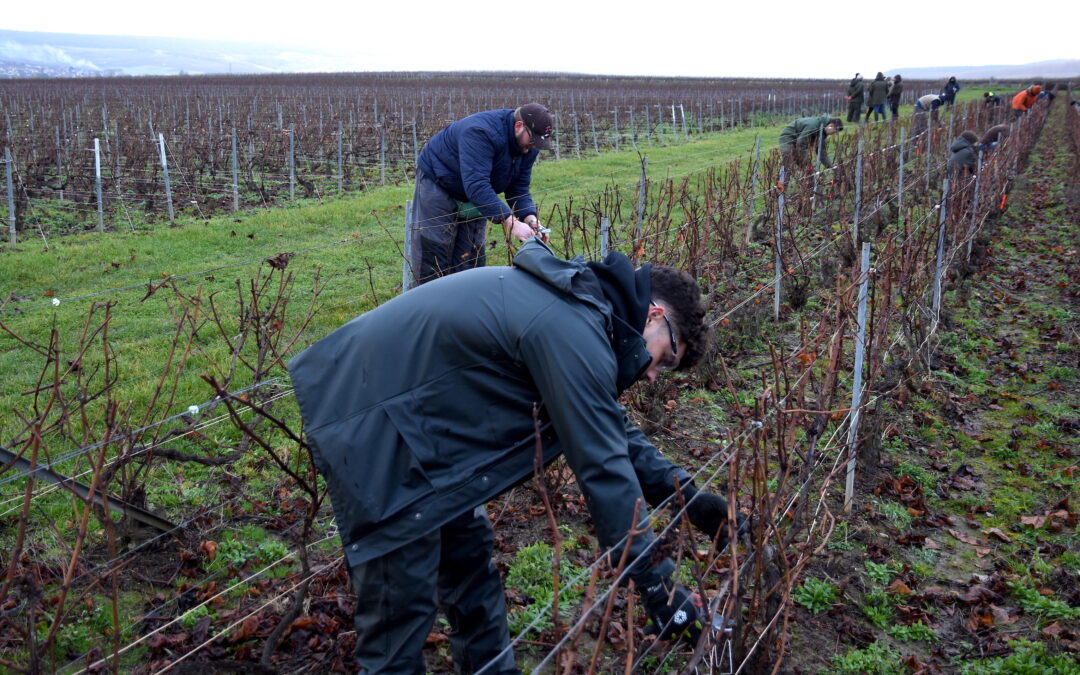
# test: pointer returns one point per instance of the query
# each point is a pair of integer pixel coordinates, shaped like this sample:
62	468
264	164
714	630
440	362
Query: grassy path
966	556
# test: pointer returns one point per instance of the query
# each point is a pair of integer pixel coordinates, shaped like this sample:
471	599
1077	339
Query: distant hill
30	54
1048	70
27	54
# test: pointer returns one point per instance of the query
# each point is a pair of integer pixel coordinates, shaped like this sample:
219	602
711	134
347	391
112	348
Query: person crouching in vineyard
925	111
993	136
963	161
421	410
1022	102
803	134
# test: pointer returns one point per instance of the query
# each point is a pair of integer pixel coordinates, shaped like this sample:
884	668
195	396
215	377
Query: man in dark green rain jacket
854	98
420	411
803	133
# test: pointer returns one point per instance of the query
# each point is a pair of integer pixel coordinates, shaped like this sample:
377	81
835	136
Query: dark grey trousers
854	109
442	243
397	596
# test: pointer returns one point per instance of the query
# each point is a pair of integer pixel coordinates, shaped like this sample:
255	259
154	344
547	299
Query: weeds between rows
969	524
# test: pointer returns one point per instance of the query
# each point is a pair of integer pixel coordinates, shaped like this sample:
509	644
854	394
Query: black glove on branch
673	611
708	513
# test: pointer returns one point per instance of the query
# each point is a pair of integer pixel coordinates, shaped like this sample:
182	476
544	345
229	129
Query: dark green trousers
399	593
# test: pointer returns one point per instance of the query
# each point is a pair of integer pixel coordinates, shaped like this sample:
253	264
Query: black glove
708	513
673	611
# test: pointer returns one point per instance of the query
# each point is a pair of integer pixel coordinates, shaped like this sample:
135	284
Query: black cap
538	120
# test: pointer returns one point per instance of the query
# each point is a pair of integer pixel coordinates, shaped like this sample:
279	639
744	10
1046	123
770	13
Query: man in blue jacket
459	175
421	410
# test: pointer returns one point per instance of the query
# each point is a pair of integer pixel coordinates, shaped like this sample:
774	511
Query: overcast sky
697	38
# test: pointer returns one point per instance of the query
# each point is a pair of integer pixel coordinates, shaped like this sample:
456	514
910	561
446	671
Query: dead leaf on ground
1003	616
995	532
981	619
961	483
898	587
209	548
911	540
160	642
966	538
247	630
917	667
978	594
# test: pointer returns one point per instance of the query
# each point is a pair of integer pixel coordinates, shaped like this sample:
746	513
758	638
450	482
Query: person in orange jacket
1023	101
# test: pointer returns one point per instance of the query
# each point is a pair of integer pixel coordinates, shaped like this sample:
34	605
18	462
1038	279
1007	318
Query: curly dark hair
680	293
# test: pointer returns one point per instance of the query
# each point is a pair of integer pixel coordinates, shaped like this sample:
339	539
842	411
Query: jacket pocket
369	469
454	435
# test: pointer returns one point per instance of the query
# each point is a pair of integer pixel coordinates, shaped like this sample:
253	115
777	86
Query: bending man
805	133
421	410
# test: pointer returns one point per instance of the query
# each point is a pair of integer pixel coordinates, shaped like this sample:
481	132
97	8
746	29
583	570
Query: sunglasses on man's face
673	362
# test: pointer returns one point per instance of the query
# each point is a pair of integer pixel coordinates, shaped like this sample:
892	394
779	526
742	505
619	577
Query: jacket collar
618	291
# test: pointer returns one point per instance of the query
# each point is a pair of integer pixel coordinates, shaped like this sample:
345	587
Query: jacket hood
614	287
960	144
540	261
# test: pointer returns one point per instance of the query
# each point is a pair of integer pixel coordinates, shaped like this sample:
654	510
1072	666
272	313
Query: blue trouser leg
470	245
441	243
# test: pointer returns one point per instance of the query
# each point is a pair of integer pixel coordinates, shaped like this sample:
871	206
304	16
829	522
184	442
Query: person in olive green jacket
877	90
804	133
854	98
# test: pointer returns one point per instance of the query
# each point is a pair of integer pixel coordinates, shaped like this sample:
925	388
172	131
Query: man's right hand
521	230
674	611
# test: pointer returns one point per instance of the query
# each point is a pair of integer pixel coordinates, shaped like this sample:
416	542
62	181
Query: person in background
896	88
962	162
1023	101
802	134
925	110
993	136
460	173
929	102
949	91
854	98
426	407
877	92
1048	92
991	100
